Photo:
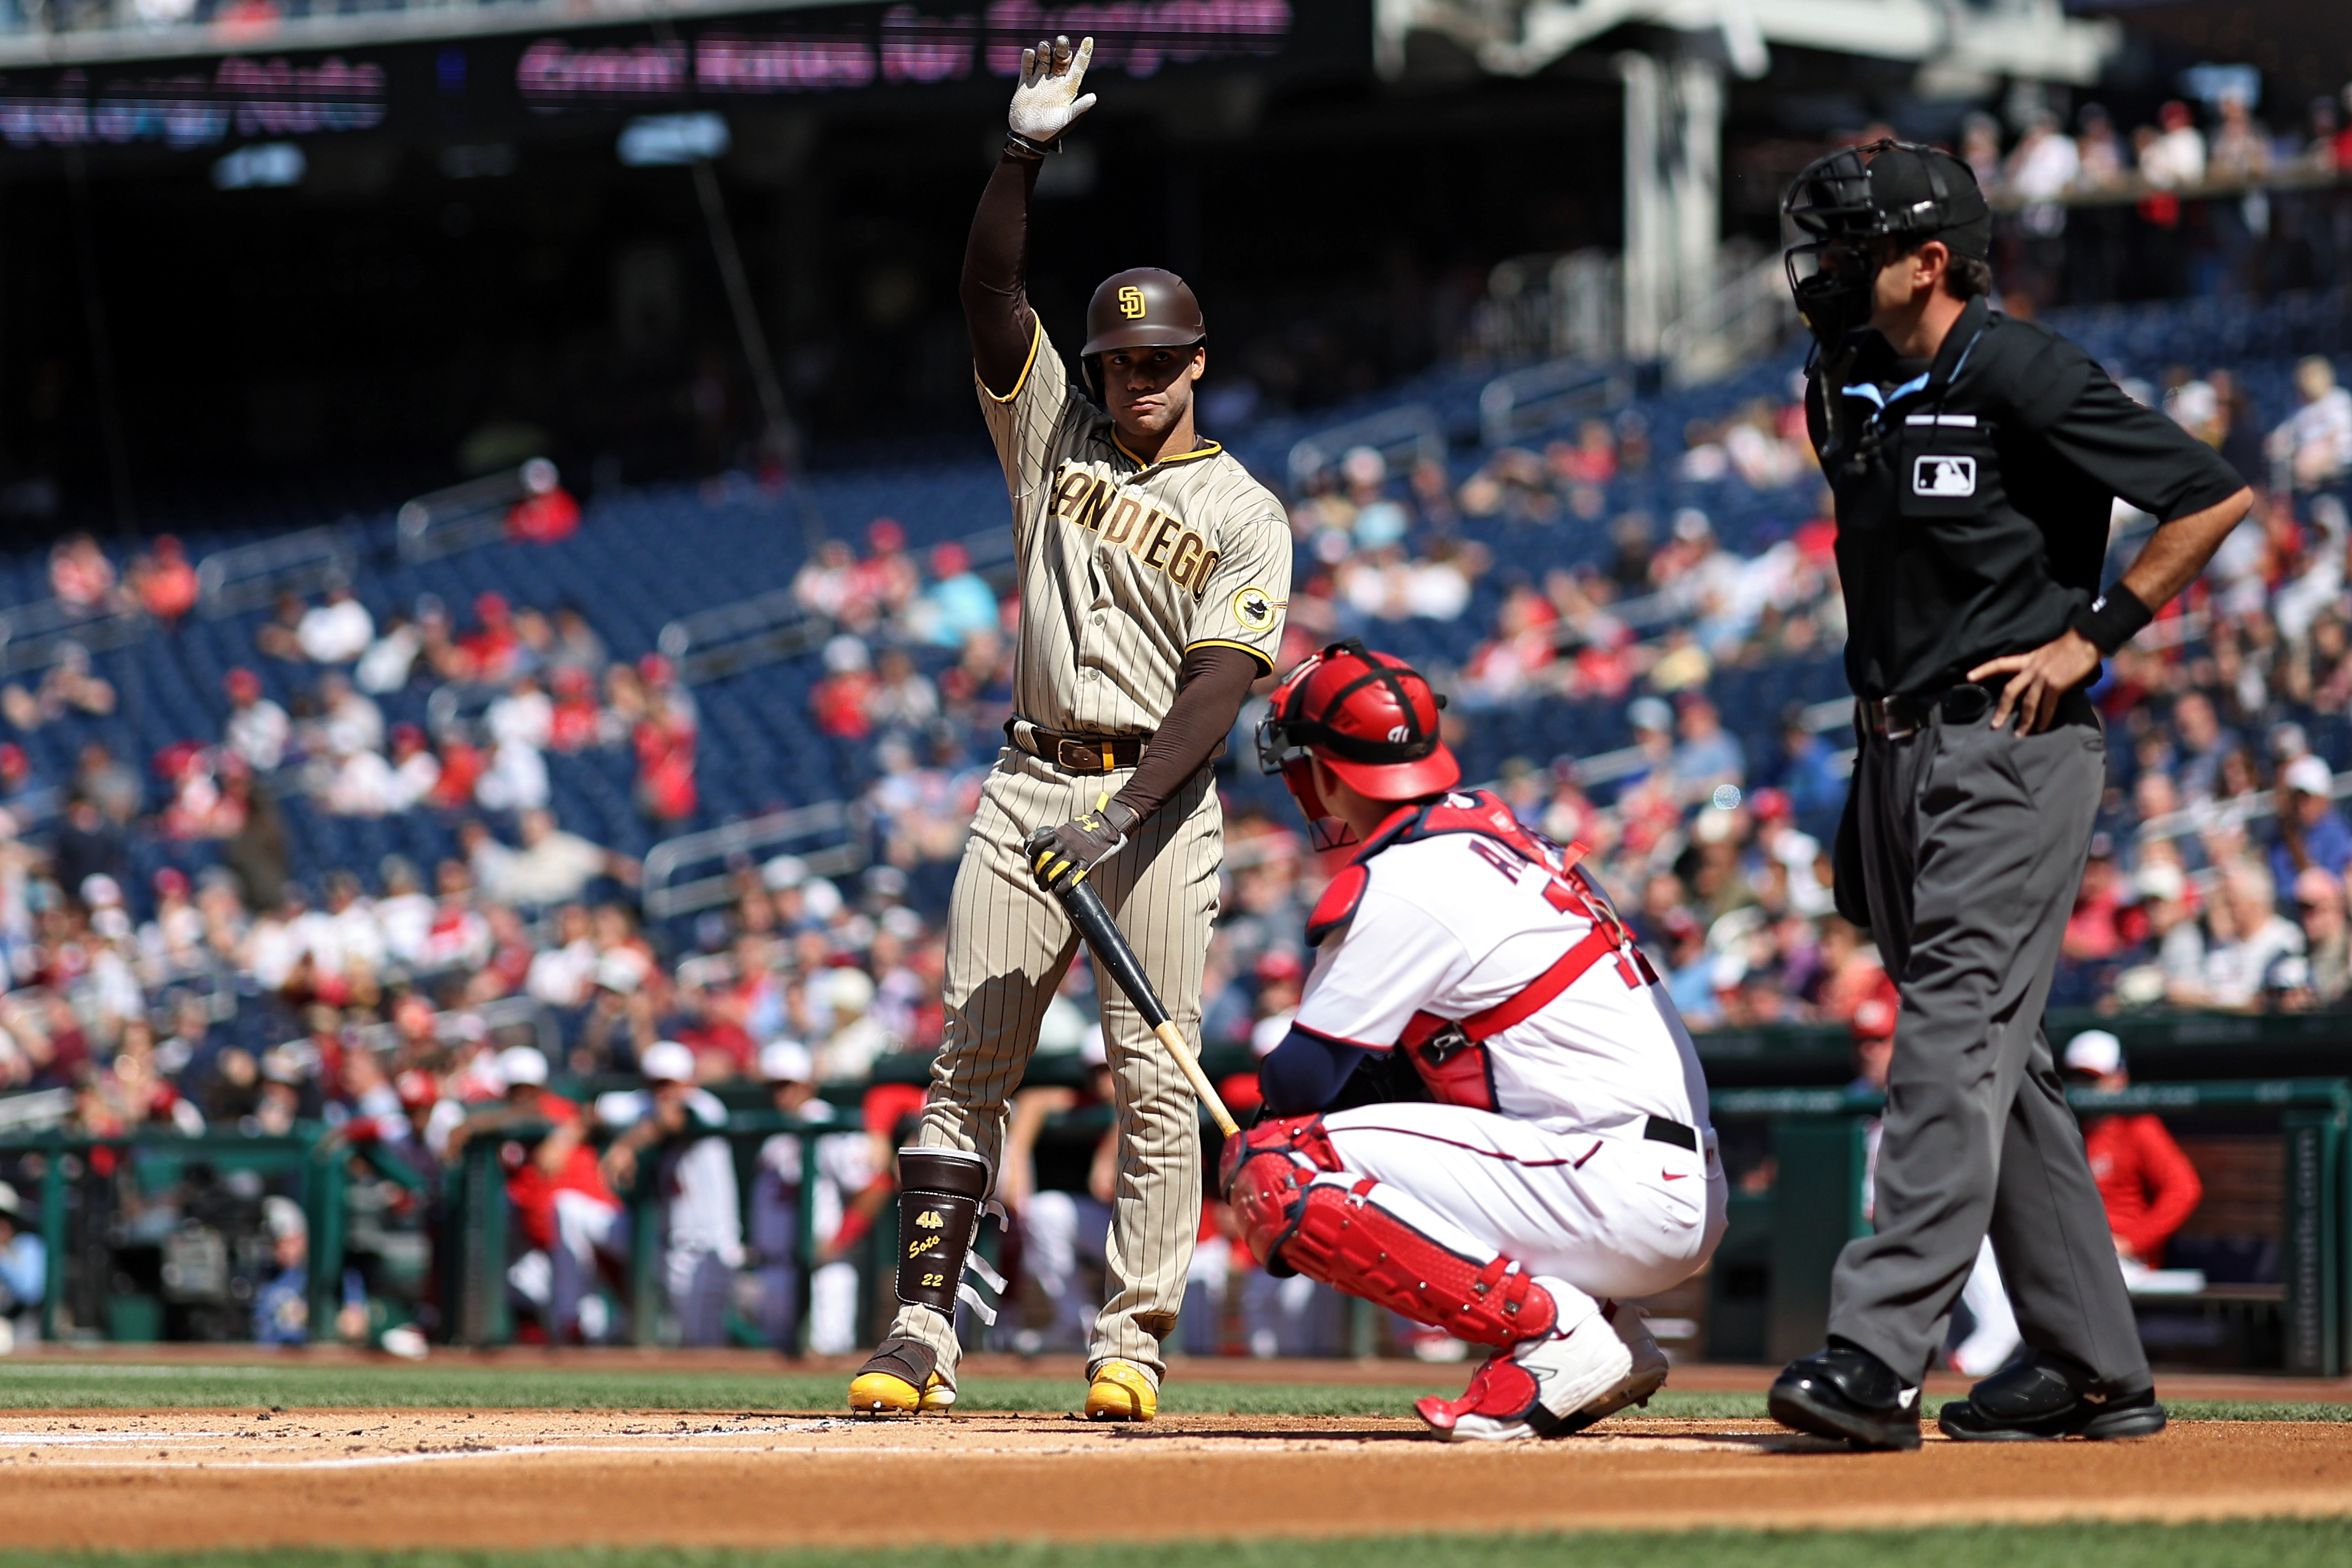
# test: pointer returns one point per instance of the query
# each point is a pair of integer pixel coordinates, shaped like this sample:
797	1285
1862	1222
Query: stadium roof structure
2035	40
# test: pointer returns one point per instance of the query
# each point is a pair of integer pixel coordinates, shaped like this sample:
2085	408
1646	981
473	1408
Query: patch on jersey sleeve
1255	609
1338	905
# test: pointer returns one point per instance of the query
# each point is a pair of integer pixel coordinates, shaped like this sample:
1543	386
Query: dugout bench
1768	1292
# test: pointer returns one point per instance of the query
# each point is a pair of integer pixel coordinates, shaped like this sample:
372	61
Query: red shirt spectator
546	518
489	649
2147	1184
2098	928
577	718
665	743
532	1188
461	770
166	582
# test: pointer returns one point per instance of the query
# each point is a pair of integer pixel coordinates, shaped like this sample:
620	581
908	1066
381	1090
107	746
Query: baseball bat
1113	954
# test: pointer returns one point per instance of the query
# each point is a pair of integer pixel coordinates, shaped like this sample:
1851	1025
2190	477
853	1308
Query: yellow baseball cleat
1122	1391
899	1379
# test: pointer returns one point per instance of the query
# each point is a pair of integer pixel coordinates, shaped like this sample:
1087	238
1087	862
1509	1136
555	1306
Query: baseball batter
1548	1154
1154	575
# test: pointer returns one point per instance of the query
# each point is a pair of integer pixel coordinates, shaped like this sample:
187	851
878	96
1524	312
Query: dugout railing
1767	1291
1765	1298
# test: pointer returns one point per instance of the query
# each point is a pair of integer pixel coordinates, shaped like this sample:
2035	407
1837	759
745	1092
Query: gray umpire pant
1969	843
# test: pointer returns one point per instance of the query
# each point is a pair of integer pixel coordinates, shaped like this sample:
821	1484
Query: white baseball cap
787	1061
2094	1051
2310	775
10	1203
521	1065
283	1217
1091	1049
2163	881
820	898
667	1061
848	990
622	970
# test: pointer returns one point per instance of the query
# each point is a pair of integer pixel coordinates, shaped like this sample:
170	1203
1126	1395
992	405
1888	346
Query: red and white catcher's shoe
1538	1388
1644	1377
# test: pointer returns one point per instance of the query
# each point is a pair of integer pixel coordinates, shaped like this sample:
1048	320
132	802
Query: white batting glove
1046	104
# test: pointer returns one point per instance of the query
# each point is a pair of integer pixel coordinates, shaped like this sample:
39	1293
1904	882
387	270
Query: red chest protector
1450	1054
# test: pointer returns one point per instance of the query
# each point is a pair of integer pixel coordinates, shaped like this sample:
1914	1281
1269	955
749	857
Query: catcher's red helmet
1370	718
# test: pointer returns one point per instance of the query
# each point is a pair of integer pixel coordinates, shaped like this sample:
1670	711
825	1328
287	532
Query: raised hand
1046	104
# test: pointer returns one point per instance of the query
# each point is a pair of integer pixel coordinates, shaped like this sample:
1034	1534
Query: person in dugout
2146	1184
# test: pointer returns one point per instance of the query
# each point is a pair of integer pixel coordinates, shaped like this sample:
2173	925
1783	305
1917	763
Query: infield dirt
186	1479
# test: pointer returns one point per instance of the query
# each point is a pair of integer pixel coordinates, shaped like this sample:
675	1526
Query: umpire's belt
1078	753
1900	718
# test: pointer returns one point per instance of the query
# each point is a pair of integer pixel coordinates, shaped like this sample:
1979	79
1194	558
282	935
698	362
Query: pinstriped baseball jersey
1125	565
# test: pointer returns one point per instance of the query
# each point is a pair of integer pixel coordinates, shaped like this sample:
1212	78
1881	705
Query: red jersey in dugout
1484	952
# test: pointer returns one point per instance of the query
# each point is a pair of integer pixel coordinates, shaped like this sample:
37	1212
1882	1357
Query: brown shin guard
940	1194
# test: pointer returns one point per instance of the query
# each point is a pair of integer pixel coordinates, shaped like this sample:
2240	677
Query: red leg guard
1299	1211
1263	1173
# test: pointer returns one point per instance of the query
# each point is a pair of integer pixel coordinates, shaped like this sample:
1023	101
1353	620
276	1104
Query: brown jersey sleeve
996	277
1210	687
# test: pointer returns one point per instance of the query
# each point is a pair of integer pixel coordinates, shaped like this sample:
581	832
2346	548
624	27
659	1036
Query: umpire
1975	458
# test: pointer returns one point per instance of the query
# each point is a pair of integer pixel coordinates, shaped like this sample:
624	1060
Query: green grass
473	1385
2264	1543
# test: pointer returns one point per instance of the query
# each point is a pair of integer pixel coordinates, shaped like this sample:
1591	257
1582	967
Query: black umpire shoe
1846	1392
2045	1398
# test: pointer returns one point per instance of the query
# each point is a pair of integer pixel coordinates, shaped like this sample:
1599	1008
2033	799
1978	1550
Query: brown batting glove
1063	855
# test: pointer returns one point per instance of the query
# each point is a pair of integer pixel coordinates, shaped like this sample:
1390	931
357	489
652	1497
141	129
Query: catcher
1548	1154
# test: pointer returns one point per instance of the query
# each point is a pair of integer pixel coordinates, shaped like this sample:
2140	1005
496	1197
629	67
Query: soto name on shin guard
940	1194
1301	1212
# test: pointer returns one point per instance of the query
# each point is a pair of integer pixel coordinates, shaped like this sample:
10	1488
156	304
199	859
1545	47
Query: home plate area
187	1479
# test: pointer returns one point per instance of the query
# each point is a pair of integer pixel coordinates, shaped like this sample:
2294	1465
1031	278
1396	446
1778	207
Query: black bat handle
1112	952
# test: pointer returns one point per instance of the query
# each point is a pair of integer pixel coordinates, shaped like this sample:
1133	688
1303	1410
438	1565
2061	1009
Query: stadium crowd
423	1004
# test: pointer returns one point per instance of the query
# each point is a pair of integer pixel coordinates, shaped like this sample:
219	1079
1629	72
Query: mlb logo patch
1954	477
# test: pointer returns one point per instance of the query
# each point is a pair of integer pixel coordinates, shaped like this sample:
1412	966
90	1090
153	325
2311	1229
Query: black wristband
2113	619
1022	147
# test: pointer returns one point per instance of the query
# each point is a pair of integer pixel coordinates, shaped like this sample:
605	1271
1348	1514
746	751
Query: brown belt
1078	753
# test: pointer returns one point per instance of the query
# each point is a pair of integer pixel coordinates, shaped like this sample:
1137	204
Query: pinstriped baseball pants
1009	944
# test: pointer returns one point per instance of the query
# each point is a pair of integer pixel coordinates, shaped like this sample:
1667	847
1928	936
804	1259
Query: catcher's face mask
1282	750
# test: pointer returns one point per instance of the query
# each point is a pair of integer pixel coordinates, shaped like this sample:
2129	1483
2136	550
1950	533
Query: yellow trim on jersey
1211	450
1222	642
1037	336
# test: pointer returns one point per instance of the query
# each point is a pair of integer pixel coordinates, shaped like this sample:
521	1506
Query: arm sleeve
2138	453
2177	1187
995	278
1388	963
1210	687
1246	590
1305	1073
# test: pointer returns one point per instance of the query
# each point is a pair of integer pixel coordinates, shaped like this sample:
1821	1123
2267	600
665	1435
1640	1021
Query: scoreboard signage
904	45
500	85
235	97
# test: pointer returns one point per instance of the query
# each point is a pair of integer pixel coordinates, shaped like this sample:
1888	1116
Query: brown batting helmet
1142	308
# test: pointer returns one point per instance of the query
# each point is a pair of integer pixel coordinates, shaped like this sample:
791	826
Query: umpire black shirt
1973	498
